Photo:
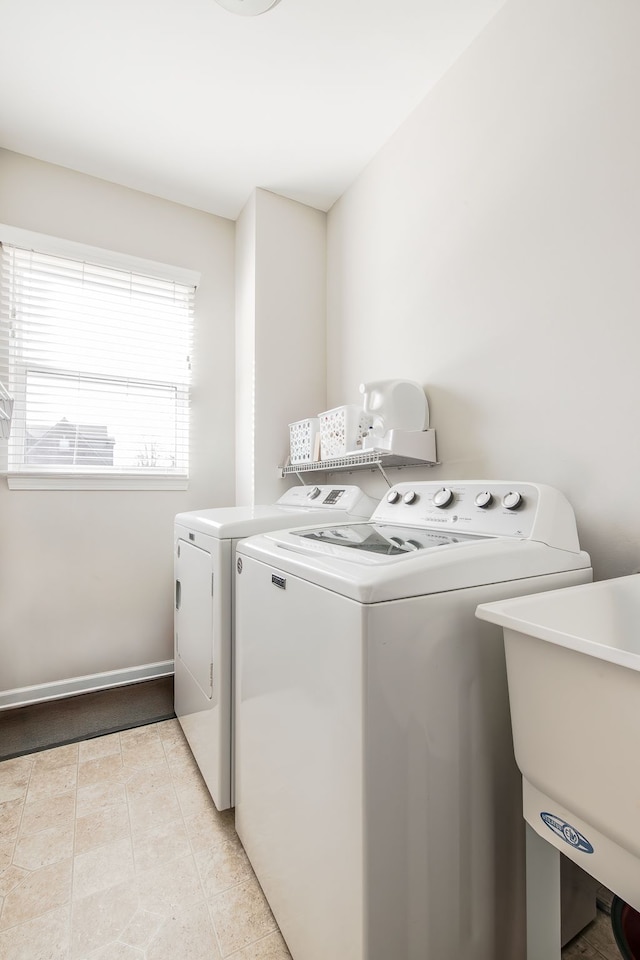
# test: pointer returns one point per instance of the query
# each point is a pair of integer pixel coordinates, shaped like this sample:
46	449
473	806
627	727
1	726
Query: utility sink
573	668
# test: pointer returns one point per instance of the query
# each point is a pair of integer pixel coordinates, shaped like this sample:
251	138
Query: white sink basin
573	667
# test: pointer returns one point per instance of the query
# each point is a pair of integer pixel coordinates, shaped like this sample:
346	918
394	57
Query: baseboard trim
23	696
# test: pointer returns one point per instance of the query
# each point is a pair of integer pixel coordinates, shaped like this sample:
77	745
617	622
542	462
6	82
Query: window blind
98	362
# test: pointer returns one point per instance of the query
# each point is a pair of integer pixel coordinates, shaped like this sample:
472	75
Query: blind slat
98	361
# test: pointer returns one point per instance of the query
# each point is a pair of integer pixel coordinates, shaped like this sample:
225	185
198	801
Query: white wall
245	280
86	577
281	342
491	251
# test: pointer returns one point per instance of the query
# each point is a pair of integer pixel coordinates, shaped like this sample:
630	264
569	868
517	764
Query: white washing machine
204	548
376	790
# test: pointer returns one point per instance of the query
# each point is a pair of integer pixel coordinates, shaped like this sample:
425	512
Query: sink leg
543	898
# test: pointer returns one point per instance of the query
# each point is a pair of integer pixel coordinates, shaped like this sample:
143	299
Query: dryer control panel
330	496
525	511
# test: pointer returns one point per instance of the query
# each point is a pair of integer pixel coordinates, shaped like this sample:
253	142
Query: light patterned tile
148	780
180	757
99	747
170	885
170	730
100	796
159	807
56	757
14	780
6	852
142	928
10	817
596	942
13	790
103	826
240	916
47	846
40	891
141	747
184	773
139	736
100	918
599	934
44	938
160	843
117	951
50	812
102	768
11	877
271	947
579	949
144	781
46	782
16	767
223	866
103	867
142	755
187	934
177	749
194	799
210	828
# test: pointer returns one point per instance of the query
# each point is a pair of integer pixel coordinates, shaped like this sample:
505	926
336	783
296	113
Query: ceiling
186	101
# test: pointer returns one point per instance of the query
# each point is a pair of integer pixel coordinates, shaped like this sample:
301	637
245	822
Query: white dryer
376	790
204	548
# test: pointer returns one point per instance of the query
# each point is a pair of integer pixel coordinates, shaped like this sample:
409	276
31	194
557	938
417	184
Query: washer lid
464	561
231	523
380	539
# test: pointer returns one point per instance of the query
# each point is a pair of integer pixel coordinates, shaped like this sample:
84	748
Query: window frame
92	479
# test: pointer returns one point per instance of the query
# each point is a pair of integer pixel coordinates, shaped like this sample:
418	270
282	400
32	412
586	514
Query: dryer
204	548
377	795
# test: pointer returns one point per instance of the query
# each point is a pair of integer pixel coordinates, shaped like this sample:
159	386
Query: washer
377	793
204	554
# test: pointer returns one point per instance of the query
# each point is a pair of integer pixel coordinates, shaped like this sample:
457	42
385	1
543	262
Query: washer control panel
486	507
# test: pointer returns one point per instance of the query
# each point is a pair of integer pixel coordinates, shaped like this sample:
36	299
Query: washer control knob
484	499
314	493
512	500
410	496
442	498
393	496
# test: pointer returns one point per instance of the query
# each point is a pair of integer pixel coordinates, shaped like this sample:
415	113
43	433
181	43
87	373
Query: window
98	363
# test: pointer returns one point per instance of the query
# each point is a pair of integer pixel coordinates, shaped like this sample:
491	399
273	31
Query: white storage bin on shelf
304	438
342	431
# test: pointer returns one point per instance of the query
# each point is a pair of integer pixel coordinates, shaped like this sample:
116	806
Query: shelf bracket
388	482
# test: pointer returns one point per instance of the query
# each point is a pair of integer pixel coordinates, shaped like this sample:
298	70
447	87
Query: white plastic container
573	667
304	440
342	431
395	405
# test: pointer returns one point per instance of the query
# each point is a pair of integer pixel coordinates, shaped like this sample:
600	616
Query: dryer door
194	633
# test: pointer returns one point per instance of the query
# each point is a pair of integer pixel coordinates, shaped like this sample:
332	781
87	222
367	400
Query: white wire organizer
366	460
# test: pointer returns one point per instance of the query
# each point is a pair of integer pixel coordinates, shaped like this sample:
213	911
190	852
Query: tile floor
111	849
596	942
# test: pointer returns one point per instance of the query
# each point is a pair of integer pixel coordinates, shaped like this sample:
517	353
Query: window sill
61	481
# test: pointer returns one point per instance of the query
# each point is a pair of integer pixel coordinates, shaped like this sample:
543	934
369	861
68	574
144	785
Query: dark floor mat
41	726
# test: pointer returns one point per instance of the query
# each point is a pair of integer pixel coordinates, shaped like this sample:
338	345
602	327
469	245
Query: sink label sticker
567	833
